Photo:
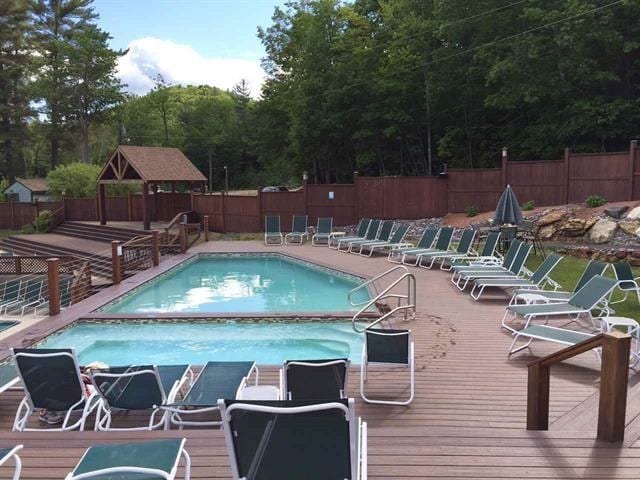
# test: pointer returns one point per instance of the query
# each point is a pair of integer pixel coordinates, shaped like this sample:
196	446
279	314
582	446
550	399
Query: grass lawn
8	233
569	270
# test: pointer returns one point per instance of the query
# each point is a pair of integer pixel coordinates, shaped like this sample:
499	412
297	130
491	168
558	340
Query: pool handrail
370	281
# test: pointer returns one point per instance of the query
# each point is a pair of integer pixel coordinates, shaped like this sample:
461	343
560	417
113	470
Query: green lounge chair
387	347
294	440
462	250
216	380
583	302
396	241
136	388
298	232
52	381
31	297
487	255
12	453
156	459
626	281
548	334
372	233
272	232
459	271
593	268
9	378
384	234
322	380
324	229
361	232
425	242
442	245
537	281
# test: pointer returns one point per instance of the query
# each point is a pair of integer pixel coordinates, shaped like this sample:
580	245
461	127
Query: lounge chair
8	378
392	348
442	245
272	230
155	459
462	250
583	302
294	440
12	294
537	281
52	381
425	242
324	229
462	274
487	255
384	234
12	453
626	281
396	241
548	334
137	388
371	234
30	298
216	380
361	232
298	232
314	379
594	267
493	263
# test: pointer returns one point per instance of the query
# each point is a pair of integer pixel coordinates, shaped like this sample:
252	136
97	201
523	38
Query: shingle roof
161	164
37	185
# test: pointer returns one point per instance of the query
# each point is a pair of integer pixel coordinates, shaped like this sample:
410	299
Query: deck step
100	233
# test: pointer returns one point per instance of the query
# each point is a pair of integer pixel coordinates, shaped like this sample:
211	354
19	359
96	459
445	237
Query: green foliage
4	183
471	211
42	223
593	201
74	180
526	206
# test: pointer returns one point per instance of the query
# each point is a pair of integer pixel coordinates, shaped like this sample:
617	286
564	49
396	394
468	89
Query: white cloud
181	64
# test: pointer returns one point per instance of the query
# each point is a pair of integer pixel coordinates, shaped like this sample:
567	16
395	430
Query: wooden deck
467	419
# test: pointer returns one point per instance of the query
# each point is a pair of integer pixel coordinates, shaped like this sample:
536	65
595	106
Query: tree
76	180
161	100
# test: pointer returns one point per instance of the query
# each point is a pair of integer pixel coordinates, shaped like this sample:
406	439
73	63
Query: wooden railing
58	217
189	235
80	287
614	375
33	264
178	219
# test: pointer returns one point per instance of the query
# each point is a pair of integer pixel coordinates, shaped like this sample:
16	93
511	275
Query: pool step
100	233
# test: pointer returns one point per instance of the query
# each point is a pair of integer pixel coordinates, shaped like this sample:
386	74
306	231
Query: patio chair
8	378
135	388
371	234
537	281
52	381
361	232
391	348
298	232
487	266
442	245
396	241
314	379
382	235
12	453
154	459
462	250
324	229
546	333
294	440
583	302
626	281
216	380
593	268
272	232
11	294
30	298
425	242
528	233
487	255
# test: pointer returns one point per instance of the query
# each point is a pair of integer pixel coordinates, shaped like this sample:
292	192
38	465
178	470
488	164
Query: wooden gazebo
149	166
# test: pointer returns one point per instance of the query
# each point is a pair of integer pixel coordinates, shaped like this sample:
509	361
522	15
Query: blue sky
187	41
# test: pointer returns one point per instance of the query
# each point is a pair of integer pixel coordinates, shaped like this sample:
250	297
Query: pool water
161	343
242	284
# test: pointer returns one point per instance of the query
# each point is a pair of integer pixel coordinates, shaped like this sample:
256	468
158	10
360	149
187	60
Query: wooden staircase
99	233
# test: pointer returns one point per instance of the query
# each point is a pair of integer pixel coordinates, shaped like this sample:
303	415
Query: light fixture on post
305	176
226	179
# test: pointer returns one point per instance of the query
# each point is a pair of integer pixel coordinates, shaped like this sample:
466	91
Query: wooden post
614	376
205	227
156	248
505	160
567	159
633	146
224	222
305	191
146	215
102	204
538	397
130	206
53	274
156	216
64	208
13	215
116	274
183	237
17	265
356	204
260	216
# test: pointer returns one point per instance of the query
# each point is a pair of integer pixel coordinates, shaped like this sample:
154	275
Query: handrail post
205	227
53	279
116	273
538	397
156	248
183	237
614	378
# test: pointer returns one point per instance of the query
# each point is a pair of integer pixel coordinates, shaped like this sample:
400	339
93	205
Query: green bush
76	180
471	211
42	223
530	205
593	201
28	229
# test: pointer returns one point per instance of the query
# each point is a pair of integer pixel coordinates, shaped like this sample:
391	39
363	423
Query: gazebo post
146	217
102	209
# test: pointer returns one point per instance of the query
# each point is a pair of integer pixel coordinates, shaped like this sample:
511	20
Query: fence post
505	160
130	206
305	181
567	159
116	274
205	227
53	274
13	215
260	216
156	248
538	397
633	145
183	237
224	221
614	376
356	204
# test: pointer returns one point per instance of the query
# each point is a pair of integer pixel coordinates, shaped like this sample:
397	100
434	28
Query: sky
210	42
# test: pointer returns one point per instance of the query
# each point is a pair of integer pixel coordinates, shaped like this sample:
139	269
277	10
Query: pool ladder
406	302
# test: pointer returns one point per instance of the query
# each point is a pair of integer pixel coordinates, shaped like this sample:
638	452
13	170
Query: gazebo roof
149	165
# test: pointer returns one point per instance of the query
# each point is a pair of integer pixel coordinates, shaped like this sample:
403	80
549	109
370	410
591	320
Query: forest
383	87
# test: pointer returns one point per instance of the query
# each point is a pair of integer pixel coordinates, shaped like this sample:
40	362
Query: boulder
634	214
629	226
616	212
547	232
603	231
551	217
575	227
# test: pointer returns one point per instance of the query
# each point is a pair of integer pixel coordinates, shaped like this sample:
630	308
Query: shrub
528	205
593	201
74	179
28	229
42	223
471	211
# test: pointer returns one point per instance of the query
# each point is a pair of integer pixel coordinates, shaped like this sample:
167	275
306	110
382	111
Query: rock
629	226
552	217
616	212
634	214
603	231
637	232
574	227
547	232
634	261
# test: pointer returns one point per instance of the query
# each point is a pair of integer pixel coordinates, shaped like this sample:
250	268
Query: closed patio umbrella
508	209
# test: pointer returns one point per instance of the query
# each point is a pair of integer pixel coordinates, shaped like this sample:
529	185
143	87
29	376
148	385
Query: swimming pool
247	283
161	343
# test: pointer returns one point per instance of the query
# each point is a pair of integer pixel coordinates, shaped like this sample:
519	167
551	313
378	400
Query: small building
28	190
